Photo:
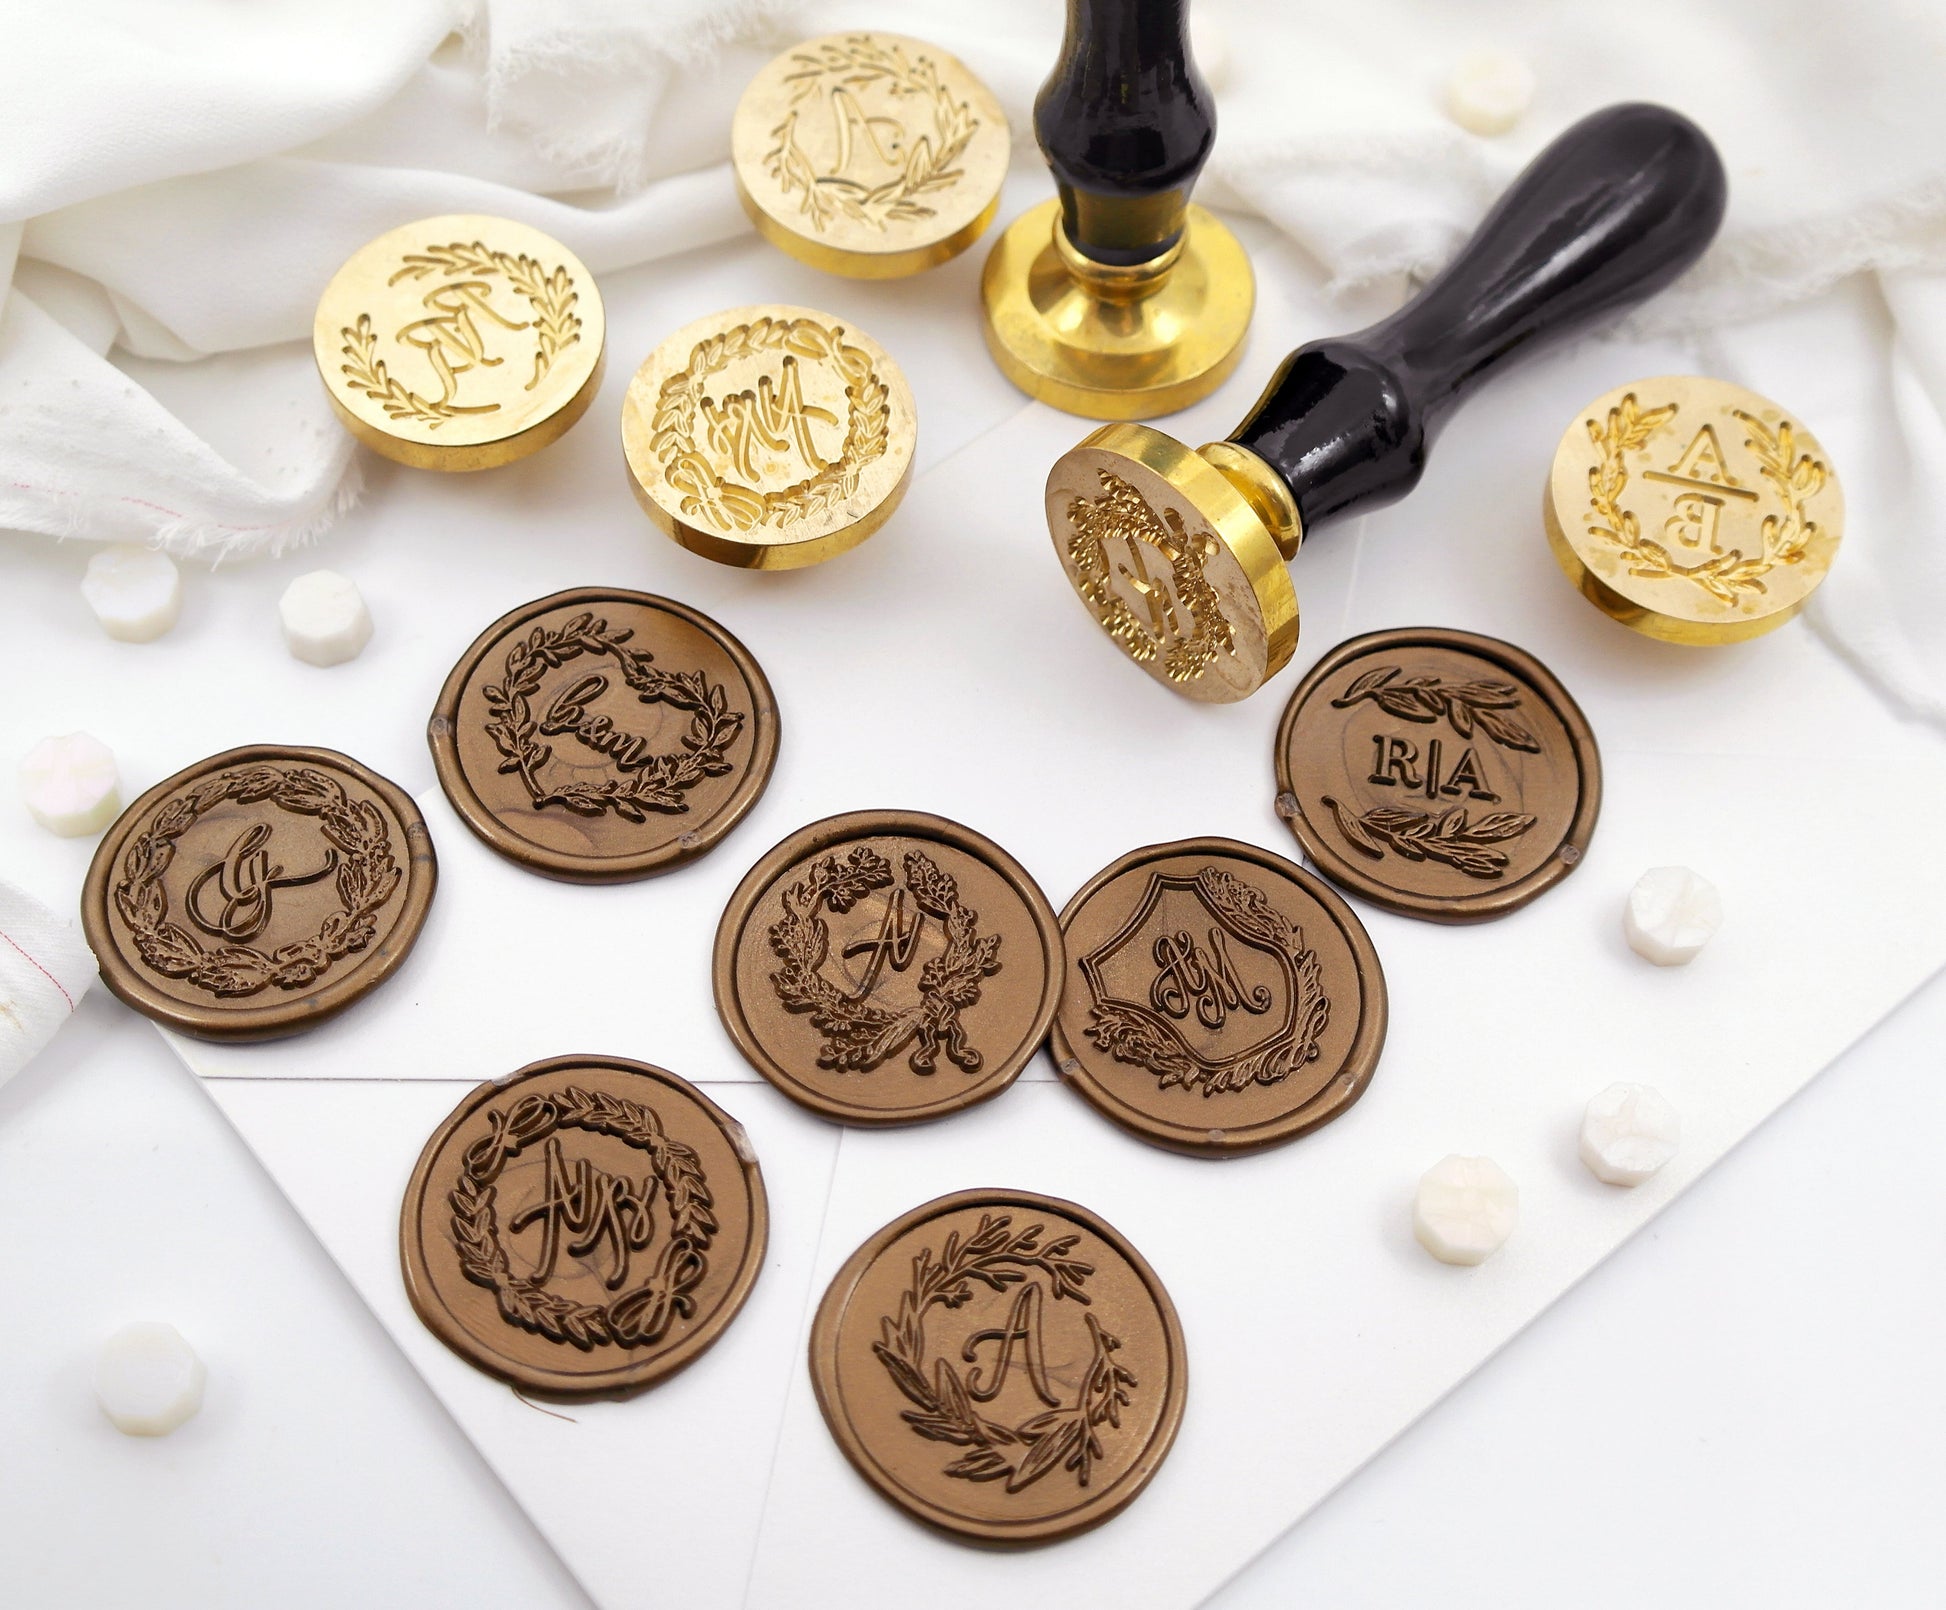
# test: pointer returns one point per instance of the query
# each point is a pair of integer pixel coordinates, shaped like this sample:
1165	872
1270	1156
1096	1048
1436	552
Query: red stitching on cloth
144	503
40	969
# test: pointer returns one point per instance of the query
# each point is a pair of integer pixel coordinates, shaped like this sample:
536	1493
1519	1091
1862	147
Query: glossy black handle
1126	123
1606	216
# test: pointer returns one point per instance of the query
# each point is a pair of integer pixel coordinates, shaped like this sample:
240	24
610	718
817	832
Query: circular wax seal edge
463	457
294	1013
1361	1061
487	828
1488	903
822	835
558	1385
1050	1529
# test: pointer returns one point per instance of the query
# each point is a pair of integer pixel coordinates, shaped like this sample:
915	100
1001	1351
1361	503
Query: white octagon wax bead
136	593
324	618
1489	92
1671	915
148	1380
70	785
1465	1209
1628	1132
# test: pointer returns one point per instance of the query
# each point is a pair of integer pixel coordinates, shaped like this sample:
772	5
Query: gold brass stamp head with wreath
460	343
869	154
1693	510
769	437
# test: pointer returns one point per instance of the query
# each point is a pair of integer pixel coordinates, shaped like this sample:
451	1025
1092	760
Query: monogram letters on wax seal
1001	1365
585	1227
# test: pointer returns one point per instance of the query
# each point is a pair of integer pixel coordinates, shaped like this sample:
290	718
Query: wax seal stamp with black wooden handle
1180	555
1118	299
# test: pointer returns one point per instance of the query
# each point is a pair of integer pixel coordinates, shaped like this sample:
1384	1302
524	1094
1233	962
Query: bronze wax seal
885	967
584	1227
1437	773
1218	999
1002	1365
258	892
600	735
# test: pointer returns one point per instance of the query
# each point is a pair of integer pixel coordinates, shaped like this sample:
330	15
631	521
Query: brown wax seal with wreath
258	892
1438	773
600	735
886	967
1001	1365
1218	999
584	1227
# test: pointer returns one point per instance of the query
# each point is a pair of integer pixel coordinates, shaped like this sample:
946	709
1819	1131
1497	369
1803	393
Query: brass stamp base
1110	352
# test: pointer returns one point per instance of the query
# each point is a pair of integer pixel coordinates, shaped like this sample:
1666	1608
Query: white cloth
45	969
181	181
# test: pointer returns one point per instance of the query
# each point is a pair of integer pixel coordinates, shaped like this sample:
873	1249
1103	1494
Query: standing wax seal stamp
1438	774
1218	999
460	343
258	892
1692	510
869	154
886	967
599	735
769	437
584	1227
1001	1365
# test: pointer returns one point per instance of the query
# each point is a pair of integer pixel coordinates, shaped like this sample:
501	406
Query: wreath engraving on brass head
766	455
648	780
1058	1433
599	1219
1258	1029
461	329
1118	546
1695	545
859	1031
851	143
1444	832
360	855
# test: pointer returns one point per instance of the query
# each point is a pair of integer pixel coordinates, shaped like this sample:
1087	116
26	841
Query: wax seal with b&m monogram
599	735
1692	510
769	437
1001	1365
460	343
258	892
869	154
1218	999
1437	773
1180	556
584	1227
886	967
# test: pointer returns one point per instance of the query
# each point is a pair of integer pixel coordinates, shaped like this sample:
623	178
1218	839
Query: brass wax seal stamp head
1001	1365
869	154
886	967
584	1227
599	735
1218	999
258	893
1438	774
460	343
769	437
1693	510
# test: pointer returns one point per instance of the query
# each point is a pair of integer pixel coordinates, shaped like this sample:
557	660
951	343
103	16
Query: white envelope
946	666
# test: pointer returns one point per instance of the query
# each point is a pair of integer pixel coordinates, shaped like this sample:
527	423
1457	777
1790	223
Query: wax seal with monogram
1218	999
769	437
259	892
599	735
869	154
1692	510
584	1227
886	967
1001	1365
1438	773
460	343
